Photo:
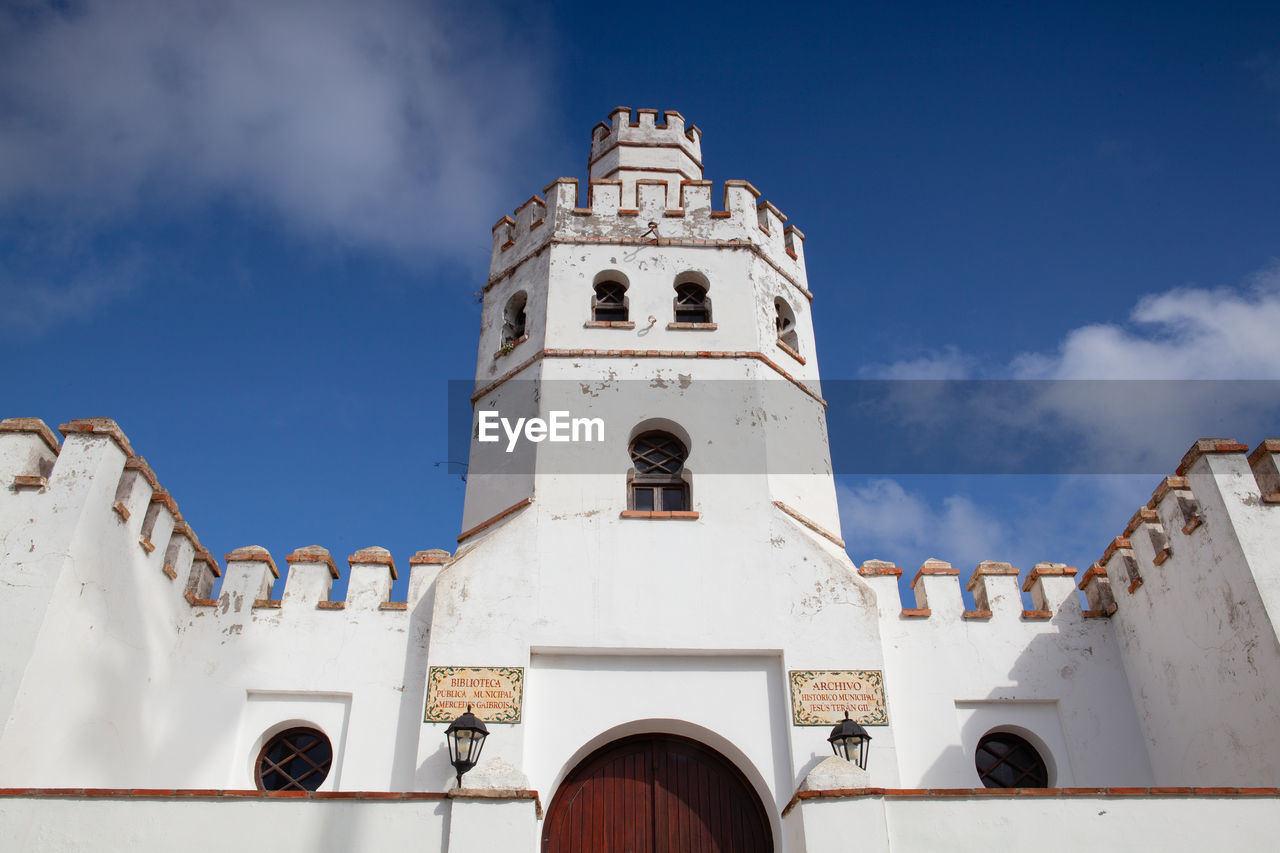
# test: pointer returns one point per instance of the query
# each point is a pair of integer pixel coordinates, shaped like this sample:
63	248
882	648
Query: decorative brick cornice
313	554
876	568
1208	446
217	793
1095	571
374	555
1021	793
1144	515
988	568
1168	484
643	353
137	463
733	245
1268	445
497	794
34	426
98	426
254	554
494	519
432	557
1047	570
811	524
1117	544
933	566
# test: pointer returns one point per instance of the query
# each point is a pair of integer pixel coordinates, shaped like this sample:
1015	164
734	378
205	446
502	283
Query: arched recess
655	792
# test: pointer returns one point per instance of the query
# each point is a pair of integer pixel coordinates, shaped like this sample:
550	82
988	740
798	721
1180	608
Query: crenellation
424	566
1147	522
604	197
250	575
1264	461
1053	588
995	589
1187	512
28	451
937	589
695	197
133	496
1207	447
1097	592
310	577
178	558
372	572
1121	564
651	200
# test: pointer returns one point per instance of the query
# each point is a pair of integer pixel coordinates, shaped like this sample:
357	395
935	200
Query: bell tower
650	530
683	314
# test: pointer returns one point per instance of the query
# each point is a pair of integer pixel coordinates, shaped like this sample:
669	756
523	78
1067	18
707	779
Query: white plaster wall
1066	824
145	690
733	702
128	826
1200	649
949	680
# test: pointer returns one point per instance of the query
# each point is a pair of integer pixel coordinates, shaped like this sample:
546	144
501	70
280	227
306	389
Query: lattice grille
295	760
1007	761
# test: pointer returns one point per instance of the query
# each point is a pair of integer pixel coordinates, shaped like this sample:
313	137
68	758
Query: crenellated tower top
627	151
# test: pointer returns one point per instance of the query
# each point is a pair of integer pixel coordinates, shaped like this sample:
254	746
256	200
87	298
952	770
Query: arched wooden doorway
656	793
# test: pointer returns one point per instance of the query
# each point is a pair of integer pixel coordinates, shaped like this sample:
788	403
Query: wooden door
656	794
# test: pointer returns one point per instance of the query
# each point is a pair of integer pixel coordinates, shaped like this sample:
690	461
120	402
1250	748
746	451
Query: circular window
295	760
1005	760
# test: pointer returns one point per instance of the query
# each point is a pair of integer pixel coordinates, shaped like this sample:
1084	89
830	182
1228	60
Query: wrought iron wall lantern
465	737
850	741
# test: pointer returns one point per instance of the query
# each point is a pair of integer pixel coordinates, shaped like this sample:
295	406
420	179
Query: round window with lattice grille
1005	760
295	760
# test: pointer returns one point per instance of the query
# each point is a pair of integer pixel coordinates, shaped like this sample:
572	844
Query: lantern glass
849	741
465	739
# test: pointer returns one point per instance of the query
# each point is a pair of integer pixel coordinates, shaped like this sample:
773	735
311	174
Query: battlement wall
1051	672
645	150
1194	586
117	634
645	132
1175	653
661	217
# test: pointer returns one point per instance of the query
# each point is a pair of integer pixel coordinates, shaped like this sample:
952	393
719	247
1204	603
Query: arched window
691	303
609	305
656	483
513	318
785	322
294	760
1005	760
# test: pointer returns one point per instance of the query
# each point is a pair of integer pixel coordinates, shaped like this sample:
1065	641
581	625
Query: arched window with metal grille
609	305
691	303
657	483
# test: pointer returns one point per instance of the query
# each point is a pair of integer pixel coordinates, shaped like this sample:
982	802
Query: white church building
649	606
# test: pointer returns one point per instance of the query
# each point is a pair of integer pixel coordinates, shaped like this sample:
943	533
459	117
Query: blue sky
251	233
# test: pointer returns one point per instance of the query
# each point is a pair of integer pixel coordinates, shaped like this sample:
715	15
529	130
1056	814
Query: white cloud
1184	333
31	307
880	519
381	124
948	363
